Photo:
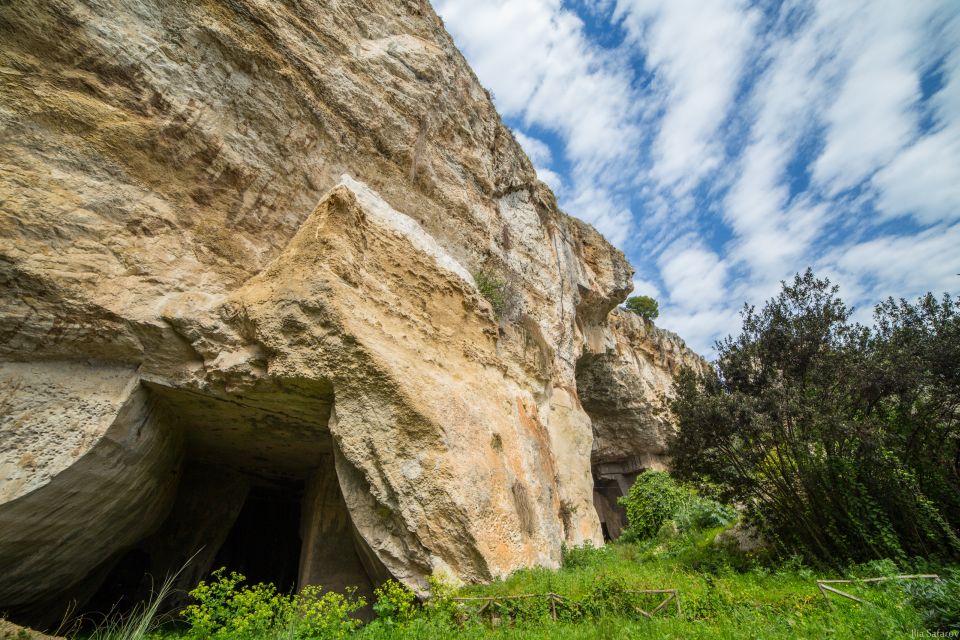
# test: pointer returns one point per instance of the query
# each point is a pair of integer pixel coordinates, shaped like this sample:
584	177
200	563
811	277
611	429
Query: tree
843	442
644	306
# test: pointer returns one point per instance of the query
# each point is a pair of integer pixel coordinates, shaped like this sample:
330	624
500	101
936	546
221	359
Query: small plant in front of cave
396	604
226	608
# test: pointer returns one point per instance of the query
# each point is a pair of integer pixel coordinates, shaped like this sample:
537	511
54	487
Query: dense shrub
698	513
656	499
651	501
841	441
938	601
226	608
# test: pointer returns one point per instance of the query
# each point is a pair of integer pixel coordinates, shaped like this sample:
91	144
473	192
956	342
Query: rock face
239	239
624	378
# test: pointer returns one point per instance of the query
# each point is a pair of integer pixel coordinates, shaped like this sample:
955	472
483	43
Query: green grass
717	599
722	596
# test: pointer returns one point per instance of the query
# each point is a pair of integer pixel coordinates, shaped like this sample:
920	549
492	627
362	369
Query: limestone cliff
238	240
624	379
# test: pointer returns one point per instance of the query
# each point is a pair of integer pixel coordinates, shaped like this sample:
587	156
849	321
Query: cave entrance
610	483
626	440
264	543
257	493
220	518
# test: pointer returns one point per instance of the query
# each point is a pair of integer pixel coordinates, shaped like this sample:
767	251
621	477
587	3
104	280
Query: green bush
841	440
938	601
494	289
660	507
585	555
396	605
651	501
225	608
698	513
644	306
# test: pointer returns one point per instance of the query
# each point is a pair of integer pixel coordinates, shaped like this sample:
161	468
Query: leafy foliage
226	608
494	289
938	602
585	555
721	599
396	605
652	500
656	500
644	306
843	442
697	513
325	615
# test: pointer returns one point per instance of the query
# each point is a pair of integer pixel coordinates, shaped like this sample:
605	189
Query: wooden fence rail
671	595
824	587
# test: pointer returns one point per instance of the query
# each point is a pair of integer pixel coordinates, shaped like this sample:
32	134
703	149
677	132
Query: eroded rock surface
238	249
162	165
102	478
624	379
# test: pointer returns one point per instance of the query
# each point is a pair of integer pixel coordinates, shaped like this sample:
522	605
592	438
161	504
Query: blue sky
726	145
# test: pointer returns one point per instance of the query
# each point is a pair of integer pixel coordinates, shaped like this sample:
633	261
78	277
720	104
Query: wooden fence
824	587
488	603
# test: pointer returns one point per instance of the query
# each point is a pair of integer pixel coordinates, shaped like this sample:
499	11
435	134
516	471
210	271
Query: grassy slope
722	596
717	601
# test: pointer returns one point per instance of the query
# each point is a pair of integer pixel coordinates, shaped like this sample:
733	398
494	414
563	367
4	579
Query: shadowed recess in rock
247	482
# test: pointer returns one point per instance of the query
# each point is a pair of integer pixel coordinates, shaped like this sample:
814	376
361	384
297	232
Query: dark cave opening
613	517
282	529
221	518
119	590
264	542
253	488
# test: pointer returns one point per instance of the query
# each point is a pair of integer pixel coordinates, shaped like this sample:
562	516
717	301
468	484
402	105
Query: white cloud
854	70
542	68
540	155
553	180
700	329
596	207
901	265
643	287
537	150
695	276
873	115
924	180
697	50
